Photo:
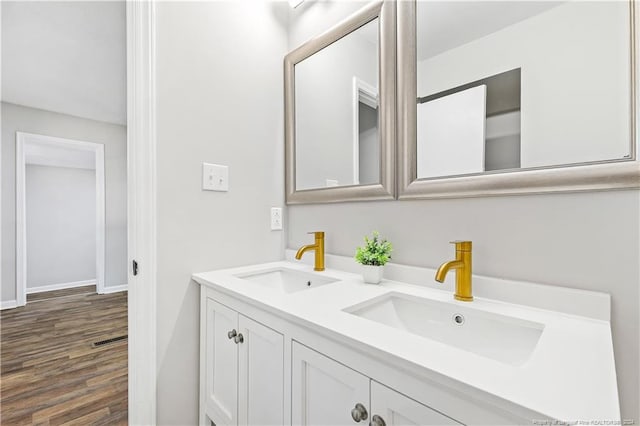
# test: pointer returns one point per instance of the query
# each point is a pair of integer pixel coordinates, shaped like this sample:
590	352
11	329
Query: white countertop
570	375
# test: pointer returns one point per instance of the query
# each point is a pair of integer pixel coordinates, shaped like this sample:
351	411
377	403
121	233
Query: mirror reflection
336	113
507	85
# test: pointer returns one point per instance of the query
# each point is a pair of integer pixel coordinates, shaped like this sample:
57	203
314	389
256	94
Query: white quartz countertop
569	376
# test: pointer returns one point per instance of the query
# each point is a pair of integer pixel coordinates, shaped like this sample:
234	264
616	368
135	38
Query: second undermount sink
286	280
502	338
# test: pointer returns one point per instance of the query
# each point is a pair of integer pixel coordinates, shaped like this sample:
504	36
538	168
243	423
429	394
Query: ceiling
443	25
66	57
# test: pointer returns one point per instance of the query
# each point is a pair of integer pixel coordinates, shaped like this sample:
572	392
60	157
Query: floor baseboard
8	304
115	288
60	286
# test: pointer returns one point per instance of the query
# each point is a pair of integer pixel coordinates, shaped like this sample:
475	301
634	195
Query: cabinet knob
376	420
233	333
239	338
359	413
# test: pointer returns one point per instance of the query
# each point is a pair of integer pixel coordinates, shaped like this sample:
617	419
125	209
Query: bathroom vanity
282	344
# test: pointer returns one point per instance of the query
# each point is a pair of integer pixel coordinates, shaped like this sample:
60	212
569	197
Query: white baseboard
60	286
115	288
8	304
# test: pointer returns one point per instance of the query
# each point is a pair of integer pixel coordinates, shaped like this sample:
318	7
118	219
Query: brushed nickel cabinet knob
359	413
376	420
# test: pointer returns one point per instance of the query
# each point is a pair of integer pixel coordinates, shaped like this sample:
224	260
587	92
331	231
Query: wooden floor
49	371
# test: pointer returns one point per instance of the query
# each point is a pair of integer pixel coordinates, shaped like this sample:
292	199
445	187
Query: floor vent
107	341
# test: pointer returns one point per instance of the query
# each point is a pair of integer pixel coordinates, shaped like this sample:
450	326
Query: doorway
78	161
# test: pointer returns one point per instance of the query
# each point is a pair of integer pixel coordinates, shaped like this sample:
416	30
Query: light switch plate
215	177
276	218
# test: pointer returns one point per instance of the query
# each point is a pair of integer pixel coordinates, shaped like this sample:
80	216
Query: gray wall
61	225
113	136
219	99
588	241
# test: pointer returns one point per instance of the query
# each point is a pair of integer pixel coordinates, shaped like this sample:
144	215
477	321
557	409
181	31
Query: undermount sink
286	280
502	338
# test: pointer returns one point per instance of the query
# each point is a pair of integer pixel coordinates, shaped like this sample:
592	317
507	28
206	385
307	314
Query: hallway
50	372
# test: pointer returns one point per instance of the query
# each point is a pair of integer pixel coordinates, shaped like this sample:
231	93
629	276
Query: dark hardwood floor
50	373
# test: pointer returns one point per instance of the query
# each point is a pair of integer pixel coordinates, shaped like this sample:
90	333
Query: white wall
589	241
324	109
575	79
61	225
220	99
17	118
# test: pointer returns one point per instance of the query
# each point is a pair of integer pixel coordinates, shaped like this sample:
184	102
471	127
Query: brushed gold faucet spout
303	249
445	267
462	266
318	249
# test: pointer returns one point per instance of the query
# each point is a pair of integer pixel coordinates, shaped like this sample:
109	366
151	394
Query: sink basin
499	337
286	280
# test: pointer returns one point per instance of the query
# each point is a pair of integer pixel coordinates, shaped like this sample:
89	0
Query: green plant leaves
376	251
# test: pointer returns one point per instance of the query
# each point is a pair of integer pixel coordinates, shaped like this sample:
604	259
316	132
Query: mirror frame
596	176
385	190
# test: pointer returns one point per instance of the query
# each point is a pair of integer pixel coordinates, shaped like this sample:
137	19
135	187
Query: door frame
362	92
141	210
23	140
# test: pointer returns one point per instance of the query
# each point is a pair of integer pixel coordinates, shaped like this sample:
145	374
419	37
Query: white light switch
215	177
276	218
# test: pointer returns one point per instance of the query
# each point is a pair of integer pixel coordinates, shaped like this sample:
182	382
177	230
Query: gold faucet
318	248
463	272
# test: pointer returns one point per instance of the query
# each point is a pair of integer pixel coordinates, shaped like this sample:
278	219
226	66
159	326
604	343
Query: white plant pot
372	274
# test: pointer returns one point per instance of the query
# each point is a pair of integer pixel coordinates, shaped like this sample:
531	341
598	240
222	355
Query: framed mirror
504	97
340	111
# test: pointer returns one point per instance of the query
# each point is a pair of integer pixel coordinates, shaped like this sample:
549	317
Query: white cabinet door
391	408
221	376
324	391
261	375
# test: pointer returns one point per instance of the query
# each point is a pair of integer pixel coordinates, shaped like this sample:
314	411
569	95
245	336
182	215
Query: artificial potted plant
373	255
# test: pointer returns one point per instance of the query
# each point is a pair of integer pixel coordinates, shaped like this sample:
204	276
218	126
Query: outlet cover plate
276	218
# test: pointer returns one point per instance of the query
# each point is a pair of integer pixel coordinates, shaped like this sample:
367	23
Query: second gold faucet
462	265
317	247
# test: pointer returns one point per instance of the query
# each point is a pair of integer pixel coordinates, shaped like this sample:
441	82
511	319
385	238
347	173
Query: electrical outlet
215	177
276	218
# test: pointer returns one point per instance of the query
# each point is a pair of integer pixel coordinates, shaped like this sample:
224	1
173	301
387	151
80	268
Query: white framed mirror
340	111
503	97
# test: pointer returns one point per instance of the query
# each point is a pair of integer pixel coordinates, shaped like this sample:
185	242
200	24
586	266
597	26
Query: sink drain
458	319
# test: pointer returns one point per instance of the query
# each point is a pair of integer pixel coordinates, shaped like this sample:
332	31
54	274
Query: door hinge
134	267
